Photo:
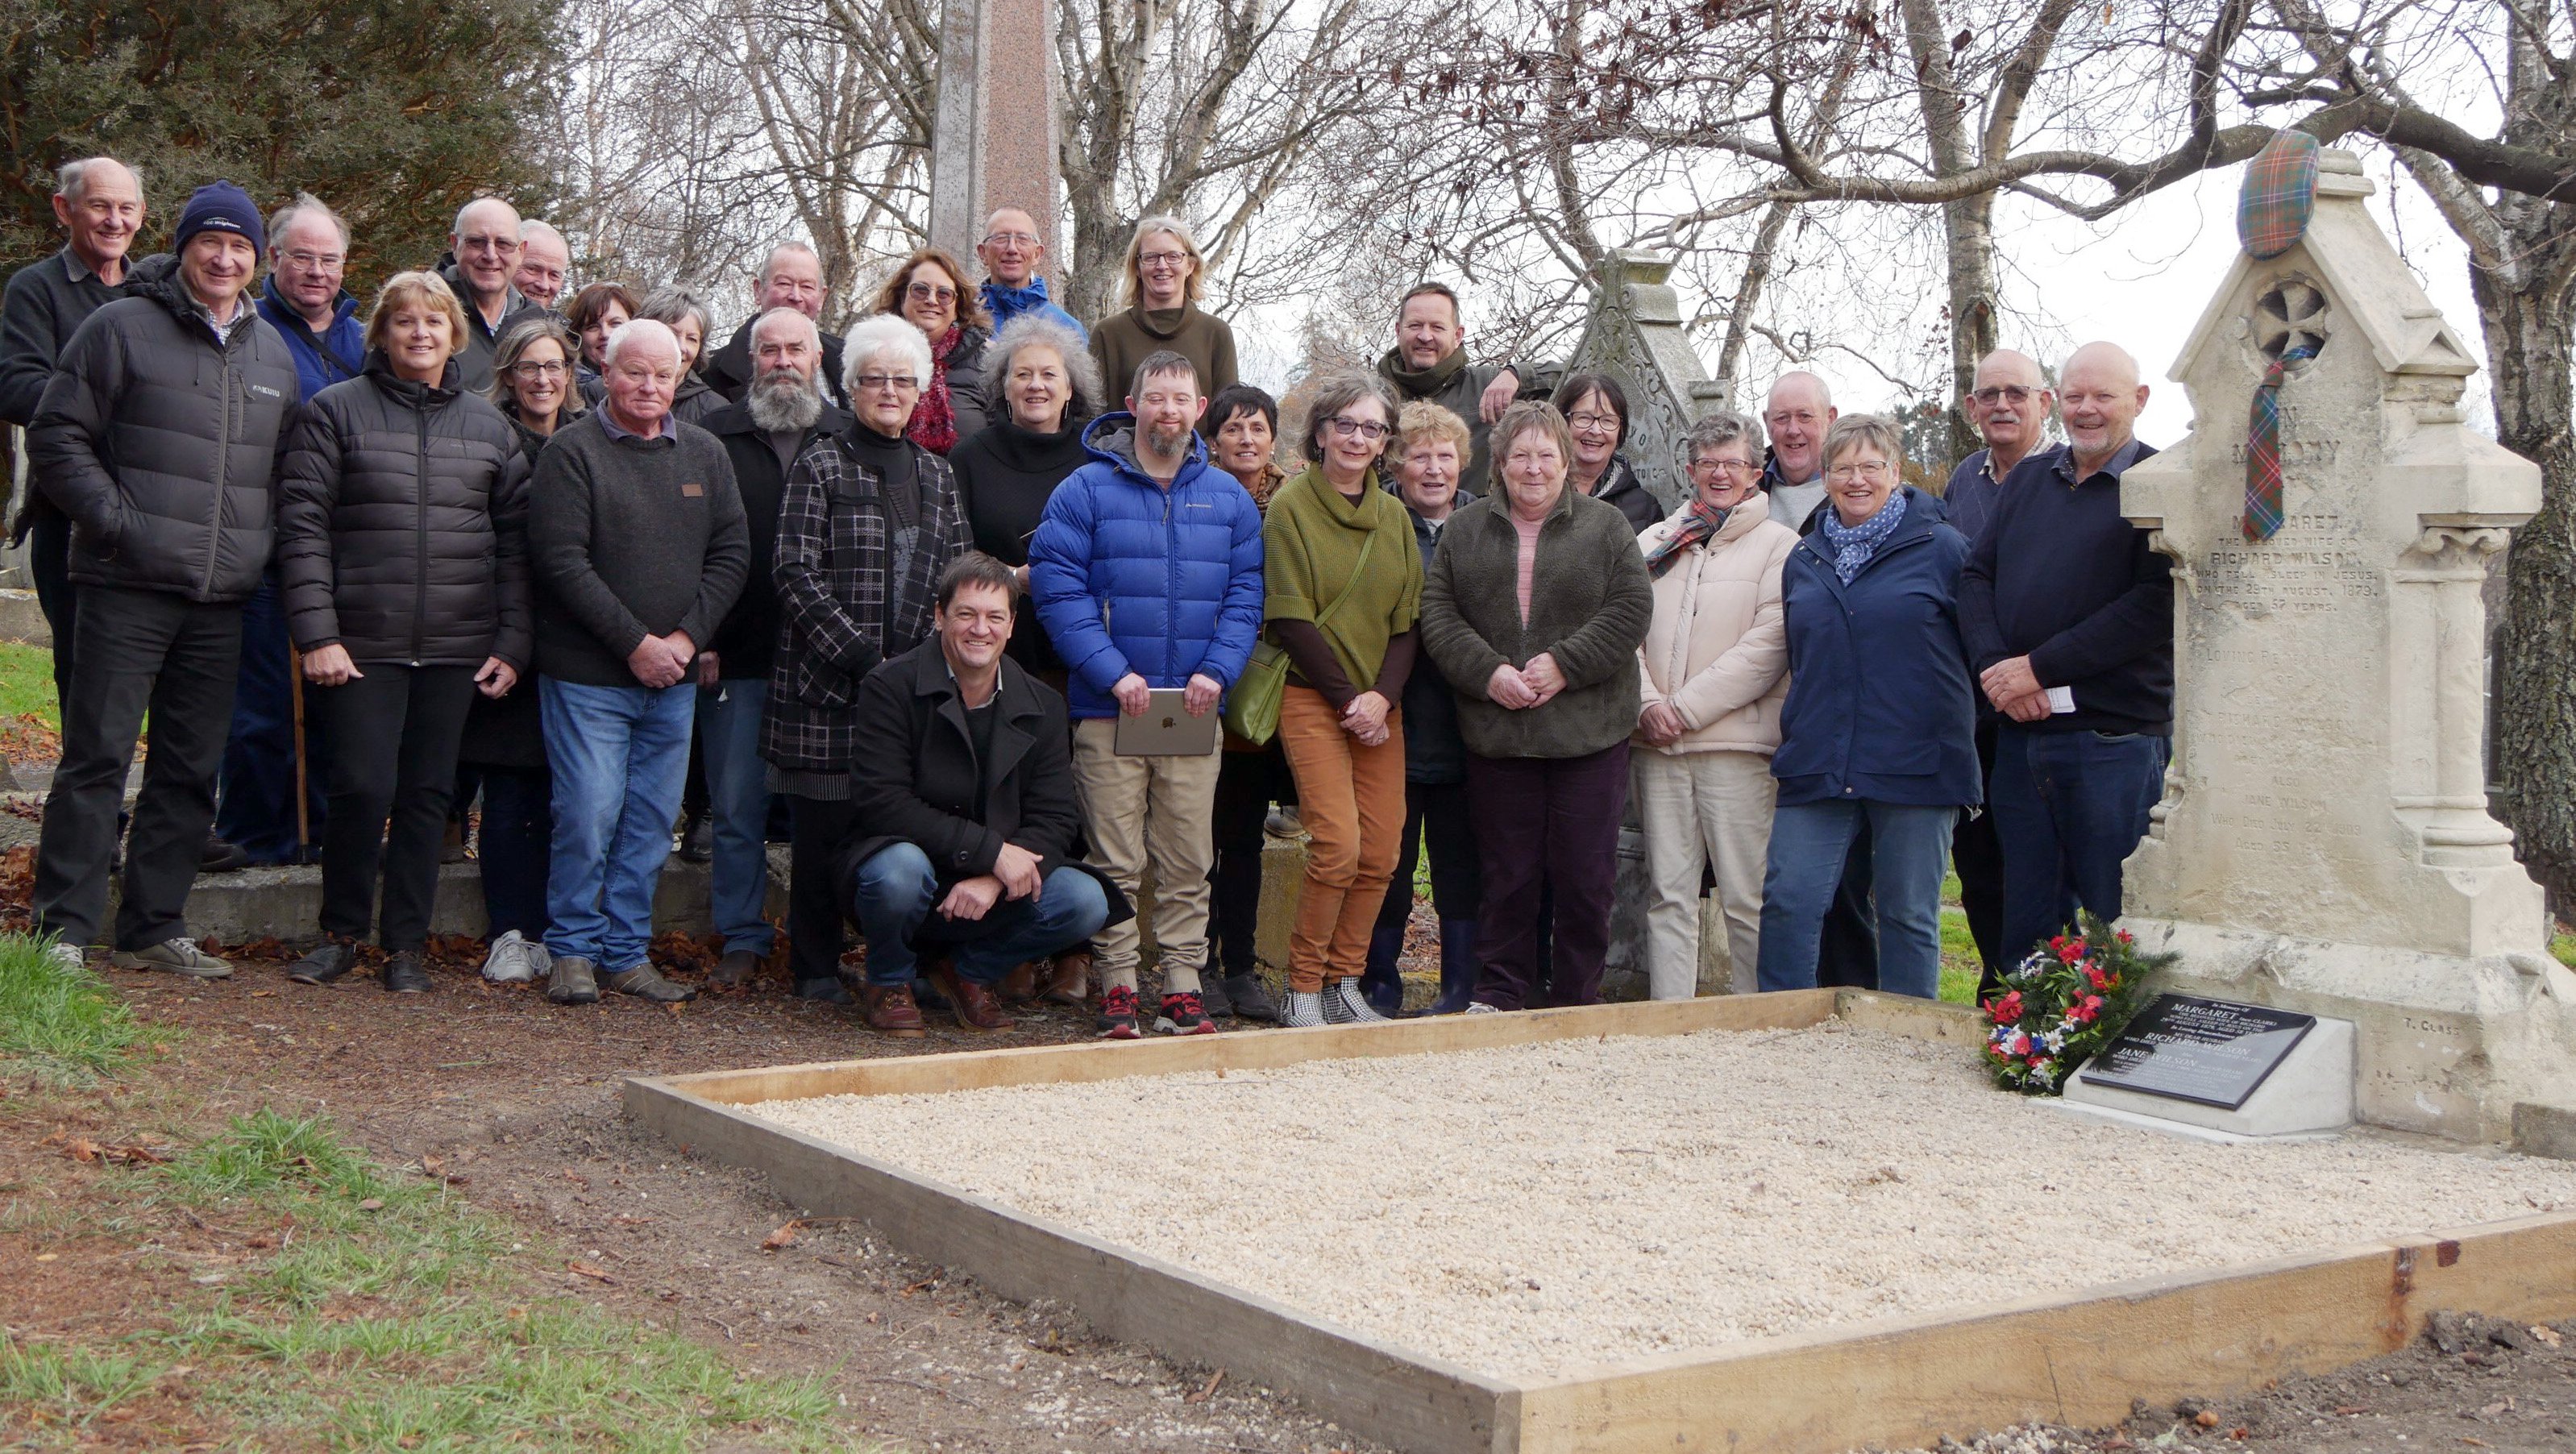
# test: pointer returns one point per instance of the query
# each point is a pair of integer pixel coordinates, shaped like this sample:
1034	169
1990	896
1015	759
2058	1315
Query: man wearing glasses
2010	405
485	248
1011	251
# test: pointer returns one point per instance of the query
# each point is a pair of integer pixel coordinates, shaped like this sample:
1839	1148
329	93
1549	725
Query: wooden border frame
2075	1358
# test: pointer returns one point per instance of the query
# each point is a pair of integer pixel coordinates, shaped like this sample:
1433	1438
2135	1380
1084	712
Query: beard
783	401
1167	440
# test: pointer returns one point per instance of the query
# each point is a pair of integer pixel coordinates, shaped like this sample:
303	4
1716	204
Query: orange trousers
1351	799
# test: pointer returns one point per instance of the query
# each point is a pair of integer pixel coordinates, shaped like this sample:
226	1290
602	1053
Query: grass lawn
379	1309
27	684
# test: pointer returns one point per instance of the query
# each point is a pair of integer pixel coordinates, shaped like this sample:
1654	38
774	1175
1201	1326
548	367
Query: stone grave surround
2324	842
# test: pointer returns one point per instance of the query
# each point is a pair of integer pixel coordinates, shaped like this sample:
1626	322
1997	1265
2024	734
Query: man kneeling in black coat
965	813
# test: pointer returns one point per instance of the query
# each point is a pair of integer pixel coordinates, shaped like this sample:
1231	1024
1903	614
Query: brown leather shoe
975	1006
1070	983
890	1010
1019	986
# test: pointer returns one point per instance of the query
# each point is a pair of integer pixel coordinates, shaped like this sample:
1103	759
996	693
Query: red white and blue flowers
2061	1005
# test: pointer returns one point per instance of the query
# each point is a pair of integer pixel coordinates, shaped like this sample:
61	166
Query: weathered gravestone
2324	843
993	135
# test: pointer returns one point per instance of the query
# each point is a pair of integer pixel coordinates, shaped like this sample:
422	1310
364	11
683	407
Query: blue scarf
1855	544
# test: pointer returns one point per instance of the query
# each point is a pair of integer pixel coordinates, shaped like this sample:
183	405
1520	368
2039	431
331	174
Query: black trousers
818	904
1247	783
133	651
49	555
1437	812
1847	949
1978	858
515	845
393	732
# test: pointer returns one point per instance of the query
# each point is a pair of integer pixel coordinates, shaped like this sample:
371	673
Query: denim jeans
896	897
1809	842
738	802
2069	809
617	754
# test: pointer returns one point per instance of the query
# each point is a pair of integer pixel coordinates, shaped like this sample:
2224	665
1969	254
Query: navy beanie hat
221	207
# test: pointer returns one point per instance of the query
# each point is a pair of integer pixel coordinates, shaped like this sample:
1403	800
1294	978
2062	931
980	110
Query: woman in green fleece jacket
1344	584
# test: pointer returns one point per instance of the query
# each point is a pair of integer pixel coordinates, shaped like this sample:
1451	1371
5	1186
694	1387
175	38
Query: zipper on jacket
235	414
420	533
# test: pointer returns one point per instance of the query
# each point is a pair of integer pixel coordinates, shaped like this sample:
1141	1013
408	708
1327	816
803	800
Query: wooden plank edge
1412	1401
2076	1358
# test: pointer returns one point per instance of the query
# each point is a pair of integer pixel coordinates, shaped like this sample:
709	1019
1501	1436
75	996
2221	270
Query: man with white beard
782	412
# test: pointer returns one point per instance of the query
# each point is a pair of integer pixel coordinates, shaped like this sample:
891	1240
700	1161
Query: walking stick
295	694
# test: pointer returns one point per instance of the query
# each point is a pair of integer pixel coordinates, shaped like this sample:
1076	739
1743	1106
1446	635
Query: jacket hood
1035	293
1111	439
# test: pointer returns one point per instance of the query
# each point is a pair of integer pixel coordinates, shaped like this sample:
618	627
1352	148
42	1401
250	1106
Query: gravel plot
1536	1209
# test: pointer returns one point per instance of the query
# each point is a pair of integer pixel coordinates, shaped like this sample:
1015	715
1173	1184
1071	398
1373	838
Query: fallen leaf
785	1234
1203	1395
2205	1419
591	1270
2546	1334
372	1204
82	1149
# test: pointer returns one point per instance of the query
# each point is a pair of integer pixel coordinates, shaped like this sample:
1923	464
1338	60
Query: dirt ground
515	1101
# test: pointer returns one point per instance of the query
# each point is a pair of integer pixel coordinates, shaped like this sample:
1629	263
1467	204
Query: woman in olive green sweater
1344	585
1534	607
1165	276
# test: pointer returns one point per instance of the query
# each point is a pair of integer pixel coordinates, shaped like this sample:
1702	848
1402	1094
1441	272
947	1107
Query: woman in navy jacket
1880	723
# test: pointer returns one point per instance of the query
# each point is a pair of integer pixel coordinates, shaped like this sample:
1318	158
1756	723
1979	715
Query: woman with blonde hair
1165	278
929	292
402	552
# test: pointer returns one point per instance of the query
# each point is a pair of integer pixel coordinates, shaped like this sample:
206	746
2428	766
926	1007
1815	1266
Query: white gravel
1536	1209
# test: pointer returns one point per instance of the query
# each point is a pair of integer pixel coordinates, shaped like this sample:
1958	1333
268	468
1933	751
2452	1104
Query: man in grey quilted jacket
158	436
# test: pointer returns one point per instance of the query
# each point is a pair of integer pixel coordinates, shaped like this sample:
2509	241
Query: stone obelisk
993	136
2324	842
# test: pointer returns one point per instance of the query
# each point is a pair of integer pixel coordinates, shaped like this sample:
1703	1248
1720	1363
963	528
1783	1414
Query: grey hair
531	226
639	330
72	178
1876	430
770	262
1338	392
670	304
1715	430
1032	331
883	333
457	228
811	327
285	217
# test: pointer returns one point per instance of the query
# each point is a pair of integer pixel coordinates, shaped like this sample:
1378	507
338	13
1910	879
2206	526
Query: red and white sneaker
1118	1014
1184	1014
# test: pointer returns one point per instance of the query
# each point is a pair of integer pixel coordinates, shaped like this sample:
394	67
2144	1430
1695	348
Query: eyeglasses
491	244
315	261
1727	466
550	369
924	293
866	383
1592	421
1875	469
1161	259
1348	428
1010	239
1994	394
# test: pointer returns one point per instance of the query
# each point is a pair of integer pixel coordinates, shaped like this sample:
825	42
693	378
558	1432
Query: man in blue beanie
158	437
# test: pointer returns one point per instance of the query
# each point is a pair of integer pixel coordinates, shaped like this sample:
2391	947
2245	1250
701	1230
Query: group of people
898	587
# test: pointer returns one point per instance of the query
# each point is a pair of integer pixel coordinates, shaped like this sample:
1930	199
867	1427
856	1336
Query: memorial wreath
2061	1005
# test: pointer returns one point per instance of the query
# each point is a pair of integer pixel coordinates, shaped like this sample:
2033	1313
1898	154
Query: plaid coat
854	588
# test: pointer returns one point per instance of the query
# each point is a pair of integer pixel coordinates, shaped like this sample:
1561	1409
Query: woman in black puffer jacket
402	549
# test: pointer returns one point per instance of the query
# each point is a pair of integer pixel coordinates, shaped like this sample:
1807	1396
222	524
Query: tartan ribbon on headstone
2278	195
2263	449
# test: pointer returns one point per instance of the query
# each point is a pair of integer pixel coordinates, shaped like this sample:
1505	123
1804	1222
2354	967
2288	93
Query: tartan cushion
2279	194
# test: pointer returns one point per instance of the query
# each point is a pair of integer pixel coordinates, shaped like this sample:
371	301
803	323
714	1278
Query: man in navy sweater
2069	621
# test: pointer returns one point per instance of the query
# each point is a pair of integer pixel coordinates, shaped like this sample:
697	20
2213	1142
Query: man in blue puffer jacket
1146	573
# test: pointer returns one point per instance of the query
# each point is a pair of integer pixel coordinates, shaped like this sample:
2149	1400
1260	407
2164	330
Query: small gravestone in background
2324	843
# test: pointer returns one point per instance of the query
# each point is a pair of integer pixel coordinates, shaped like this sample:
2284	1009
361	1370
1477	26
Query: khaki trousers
1148	812
1351	799
1698	808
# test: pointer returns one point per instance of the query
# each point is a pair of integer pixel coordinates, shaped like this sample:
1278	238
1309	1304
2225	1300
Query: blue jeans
618	755
896	896
738	802
1809	842
2069	809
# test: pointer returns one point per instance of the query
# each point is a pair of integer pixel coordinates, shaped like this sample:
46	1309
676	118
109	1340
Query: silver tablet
1167	729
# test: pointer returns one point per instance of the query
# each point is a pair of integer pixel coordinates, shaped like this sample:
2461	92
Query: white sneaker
510	961
1304	1011
66	954
1479	1007
1343	1005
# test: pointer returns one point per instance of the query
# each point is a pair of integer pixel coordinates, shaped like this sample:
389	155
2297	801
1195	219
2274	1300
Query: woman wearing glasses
1880	721
927	292
1344	585
869	519
1596	414
1165	277
1714	671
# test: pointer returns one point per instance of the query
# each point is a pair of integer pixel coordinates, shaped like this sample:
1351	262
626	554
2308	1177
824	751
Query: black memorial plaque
2212	1052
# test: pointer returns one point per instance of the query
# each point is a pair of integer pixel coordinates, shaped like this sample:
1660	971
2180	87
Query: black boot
1380	984
1457	967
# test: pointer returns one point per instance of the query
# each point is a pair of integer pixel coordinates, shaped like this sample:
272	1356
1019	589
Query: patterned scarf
934	423
1855	544
1700	521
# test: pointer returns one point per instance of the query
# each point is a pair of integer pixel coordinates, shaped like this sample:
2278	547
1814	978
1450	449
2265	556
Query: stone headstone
1635	334
993	136
2324	843
2208	1052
